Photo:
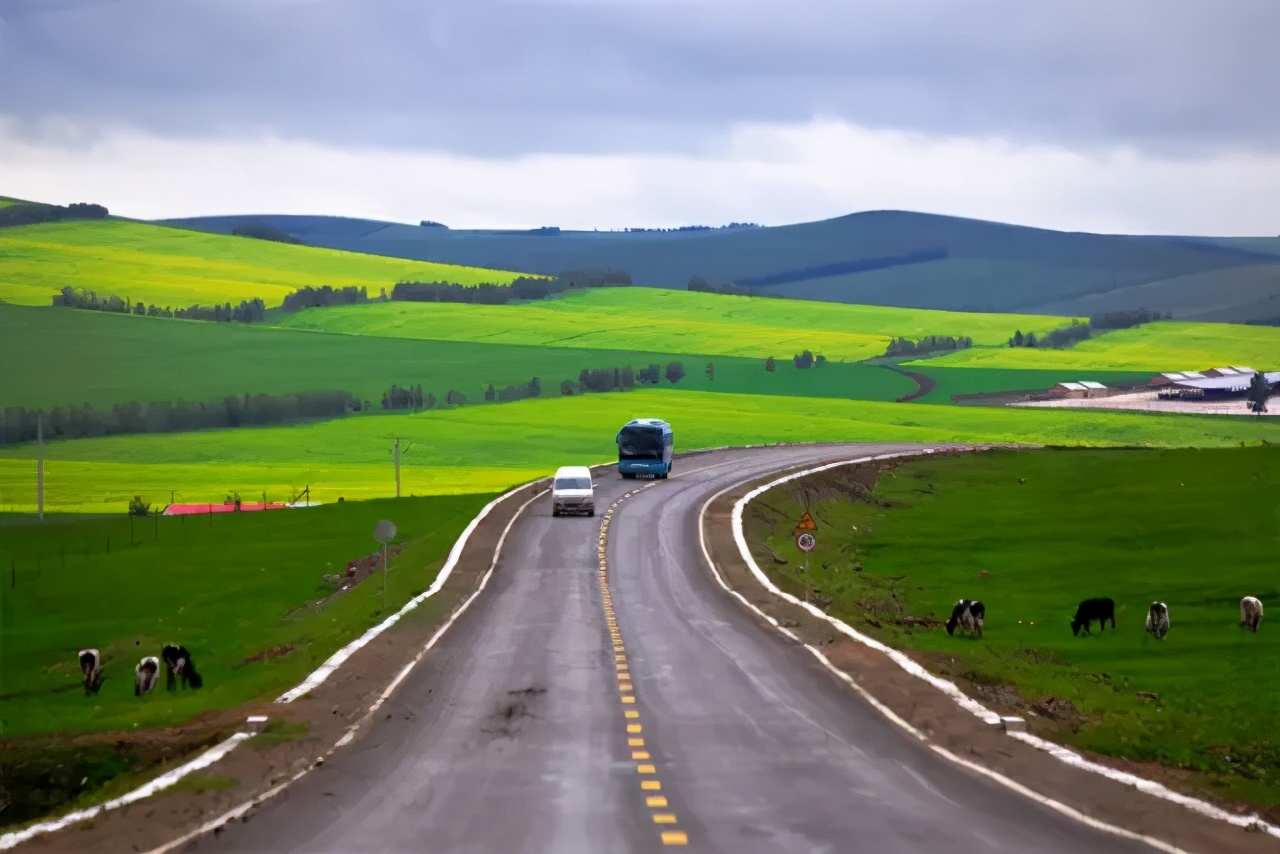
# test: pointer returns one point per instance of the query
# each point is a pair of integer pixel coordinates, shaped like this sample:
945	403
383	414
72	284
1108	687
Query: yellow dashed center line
645	767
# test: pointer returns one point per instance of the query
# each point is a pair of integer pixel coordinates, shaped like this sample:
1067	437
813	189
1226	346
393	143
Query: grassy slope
1059	538
671	321
1240	293
230	582
202	363
169	266
486	448
1156	347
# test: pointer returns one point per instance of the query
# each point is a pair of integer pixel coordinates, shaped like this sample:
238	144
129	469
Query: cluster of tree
805	360
1126	319
693	228
262	231
1259	391
310	297
1057	339
30	213
523	288
248	311
700	285
407	398
18	424
430	223
518	391
927	344
840	268
605	379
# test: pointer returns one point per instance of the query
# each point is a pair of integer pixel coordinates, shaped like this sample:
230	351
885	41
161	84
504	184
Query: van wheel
555	512
591	513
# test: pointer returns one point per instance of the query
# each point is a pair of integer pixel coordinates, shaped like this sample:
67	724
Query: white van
572	491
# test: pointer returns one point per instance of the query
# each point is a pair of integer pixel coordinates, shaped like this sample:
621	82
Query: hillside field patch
203	362
1156	347
1031	534
654	320
176	267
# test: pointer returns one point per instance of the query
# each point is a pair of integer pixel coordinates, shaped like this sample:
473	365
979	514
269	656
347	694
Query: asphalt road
512	736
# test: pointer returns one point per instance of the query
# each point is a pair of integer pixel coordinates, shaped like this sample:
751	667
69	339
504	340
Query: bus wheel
628	475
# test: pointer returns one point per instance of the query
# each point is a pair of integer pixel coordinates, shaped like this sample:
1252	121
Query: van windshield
573	483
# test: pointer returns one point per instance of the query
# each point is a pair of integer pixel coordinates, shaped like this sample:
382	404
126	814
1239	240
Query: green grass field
486	448
990	380
231	586
175	267
204	362
1156	347
648	319
1193	528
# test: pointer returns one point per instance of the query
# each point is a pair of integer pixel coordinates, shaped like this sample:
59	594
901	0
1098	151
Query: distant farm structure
1215	391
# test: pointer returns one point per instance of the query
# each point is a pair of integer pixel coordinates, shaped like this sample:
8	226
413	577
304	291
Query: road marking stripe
626	691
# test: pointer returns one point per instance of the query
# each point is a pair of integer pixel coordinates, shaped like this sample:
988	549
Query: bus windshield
640	443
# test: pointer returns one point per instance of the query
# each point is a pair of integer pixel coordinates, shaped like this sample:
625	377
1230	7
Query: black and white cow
969	615
1250	612
91	670
1101	609
177	661
145	675
1158	620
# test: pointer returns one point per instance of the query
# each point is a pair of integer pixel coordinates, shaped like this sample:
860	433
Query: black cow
969	614
177	661
91	670
1094	609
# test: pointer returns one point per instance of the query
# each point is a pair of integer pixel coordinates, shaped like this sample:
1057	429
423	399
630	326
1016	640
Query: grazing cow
91	670
1158	620
178	661
969	614
144	675
1102	609
1250	612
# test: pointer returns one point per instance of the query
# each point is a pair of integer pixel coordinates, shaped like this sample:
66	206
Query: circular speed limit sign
806	542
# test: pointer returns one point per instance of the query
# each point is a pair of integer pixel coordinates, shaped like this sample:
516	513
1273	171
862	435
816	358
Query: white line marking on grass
164	781
961	699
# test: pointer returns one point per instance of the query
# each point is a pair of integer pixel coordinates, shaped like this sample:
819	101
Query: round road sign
806	542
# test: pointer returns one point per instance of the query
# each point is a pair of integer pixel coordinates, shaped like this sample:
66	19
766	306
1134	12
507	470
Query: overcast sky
1115	116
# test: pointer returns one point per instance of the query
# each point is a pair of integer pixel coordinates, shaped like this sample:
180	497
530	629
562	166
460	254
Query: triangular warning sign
806	523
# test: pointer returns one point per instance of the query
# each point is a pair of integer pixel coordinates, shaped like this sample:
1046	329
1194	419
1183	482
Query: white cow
90	670
1250	612
145	675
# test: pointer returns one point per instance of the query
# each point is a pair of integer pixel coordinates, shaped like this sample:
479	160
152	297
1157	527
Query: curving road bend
513	734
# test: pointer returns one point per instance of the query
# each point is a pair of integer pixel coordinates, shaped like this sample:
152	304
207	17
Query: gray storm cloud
499	79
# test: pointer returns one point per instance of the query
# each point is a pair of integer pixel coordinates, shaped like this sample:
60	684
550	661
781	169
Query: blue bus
644	448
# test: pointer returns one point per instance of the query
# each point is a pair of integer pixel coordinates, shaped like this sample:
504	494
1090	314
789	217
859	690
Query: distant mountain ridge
895	258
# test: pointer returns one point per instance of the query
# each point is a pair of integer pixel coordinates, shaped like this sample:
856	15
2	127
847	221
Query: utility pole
40	464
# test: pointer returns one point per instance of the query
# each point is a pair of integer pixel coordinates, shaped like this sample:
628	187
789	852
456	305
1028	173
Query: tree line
31	213
1066	336
248	311
262	231
313	297
19	424
522	288
927	344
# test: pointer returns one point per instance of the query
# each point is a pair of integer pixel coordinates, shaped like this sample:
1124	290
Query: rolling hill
895	258
172	266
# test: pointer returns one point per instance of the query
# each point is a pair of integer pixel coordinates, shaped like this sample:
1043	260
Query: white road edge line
949	688
218	751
